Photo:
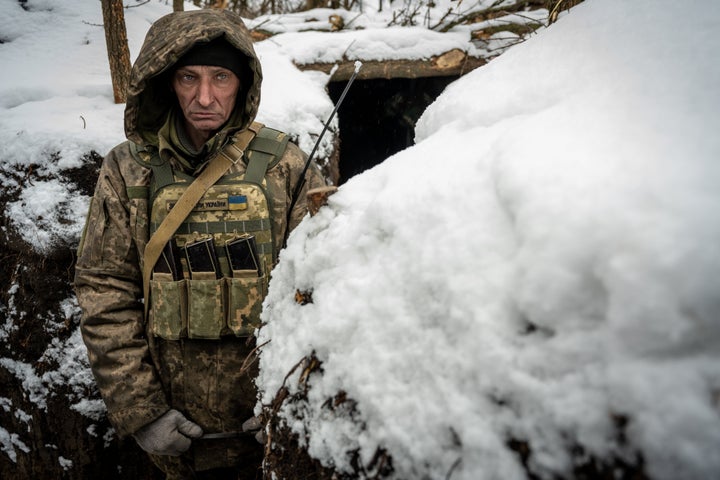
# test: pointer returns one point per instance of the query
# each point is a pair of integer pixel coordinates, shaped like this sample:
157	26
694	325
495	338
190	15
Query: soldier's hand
255	425
168	435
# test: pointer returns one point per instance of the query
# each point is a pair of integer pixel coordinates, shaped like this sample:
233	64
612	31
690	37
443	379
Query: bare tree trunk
117	47
178	5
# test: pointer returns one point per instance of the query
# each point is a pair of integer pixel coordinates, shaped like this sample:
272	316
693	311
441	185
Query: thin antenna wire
301	181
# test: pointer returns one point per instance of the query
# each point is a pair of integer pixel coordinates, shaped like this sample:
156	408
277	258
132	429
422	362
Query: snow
8	326
44	98
47	212
8	443
307	37
539	267
392	44
31	382
65	463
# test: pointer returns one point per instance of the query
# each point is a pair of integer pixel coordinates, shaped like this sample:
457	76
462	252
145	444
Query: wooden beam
454	62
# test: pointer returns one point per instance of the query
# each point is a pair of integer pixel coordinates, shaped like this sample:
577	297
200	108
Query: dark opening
378	116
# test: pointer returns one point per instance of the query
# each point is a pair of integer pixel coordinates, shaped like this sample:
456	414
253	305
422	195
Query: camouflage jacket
141	377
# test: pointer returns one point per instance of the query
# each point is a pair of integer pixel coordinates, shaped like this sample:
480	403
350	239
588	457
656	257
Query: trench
378	117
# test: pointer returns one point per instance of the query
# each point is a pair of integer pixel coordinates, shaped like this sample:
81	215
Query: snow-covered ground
542	266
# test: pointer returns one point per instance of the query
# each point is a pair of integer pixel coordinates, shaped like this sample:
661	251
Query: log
318	197
454	62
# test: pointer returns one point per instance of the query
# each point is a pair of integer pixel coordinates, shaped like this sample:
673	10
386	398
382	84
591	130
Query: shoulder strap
162	176
257	166
162	173
228	156
264	152
269	142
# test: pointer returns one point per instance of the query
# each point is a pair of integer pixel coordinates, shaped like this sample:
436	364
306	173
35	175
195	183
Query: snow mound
539	270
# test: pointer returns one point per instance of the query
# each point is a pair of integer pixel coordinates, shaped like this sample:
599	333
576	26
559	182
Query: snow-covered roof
448	39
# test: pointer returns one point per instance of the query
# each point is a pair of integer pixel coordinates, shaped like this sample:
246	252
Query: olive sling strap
228	156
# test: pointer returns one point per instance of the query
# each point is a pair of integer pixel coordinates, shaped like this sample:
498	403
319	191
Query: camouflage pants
210	382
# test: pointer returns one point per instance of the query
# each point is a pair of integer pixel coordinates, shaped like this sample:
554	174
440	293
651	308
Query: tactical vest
216	300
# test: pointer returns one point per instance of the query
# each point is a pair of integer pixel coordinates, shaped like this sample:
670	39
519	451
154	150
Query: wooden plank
454	62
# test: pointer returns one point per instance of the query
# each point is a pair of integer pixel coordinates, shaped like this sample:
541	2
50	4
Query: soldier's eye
185	77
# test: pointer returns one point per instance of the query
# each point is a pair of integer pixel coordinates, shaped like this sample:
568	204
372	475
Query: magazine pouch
246	292
206	312
168	313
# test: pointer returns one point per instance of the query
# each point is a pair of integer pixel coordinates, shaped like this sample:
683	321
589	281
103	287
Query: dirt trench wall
52	421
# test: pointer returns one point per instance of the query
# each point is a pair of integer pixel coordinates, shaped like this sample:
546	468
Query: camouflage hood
169	38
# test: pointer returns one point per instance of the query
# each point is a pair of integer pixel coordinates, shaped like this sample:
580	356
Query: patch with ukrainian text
208	205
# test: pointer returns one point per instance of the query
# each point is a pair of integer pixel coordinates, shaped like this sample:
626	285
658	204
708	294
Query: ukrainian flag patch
237	202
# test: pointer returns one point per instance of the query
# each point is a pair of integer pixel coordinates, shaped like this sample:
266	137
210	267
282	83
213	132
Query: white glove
168	435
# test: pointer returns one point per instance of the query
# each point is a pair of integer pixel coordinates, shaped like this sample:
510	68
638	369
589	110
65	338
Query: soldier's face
206	95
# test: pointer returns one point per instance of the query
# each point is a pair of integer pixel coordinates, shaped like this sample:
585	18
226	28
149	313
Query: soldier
167	315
